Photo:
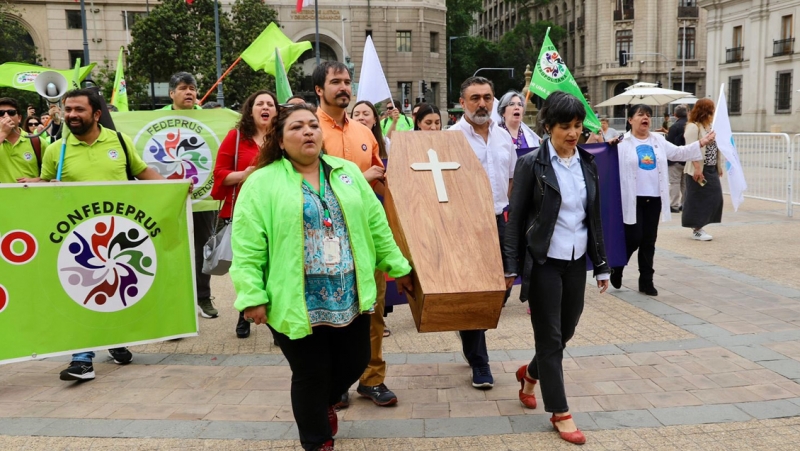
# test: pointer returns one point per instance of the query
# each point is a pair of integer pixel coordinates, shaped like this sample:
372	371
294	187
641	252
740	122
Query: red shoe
575	437
327	446
527	400
334	421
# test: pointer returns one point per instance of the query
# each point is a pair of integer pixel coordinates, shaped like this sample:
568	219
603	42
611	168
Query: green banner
180	145
552	74
22	75
103	265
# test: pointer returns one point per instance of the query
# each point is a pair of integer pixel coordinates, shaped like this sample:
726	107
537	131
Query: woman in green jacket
308	234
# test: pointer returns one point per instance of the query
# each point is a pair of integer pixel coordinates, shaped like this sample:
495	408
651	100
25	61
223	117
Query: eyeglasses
10	113
515	104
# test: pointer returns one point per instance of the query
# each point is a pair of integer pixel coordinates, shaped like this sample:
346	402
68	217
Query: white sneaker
701	235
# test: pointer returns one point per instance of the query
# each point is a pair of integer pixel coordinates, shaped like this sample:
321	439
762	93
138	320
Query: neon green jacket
268	241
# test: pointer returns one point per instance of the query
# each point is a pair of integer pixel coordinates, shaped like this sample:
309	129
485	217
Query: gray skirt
702	205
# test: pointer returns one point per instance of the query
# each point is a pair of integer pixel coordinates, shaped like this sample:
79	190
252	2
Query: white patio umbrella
686	100
648	95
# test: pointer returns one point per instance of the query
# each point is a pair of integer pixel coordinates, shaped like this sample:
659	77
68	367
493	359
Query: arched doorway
619	110
308	61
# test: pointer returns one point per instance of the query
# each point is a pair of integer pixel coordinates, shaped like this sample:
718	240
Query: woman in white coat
644	182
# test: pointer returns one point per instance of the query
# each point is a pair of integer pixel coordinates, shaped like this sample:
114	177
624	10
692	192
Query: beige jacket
694	133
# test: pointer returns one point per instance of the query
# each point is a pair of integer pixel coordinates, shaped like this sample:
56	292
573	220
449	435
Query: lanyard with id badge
331	247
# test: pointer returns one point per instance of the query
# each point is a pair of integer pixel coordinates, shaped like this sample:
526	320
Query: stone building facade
752	50
409	35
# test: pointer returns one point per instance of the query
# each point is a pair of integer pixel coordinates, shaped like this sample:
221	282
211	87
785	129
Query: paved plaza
712	363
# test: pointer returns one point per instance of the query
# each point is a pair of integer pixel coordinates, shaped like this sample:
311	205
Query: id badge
333	252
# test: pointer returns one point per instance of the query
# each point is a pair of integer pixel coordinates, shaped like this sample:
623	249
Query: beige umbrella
648	95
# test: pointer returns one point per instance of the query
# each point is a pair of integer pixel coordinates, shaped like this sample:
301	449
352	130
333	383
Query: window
368	34
433	96
434	42
735	95
403	41
624	42
783	92
131	17
786	27
690	87
689	42
583	51
687	3
74	19
737	37
73	57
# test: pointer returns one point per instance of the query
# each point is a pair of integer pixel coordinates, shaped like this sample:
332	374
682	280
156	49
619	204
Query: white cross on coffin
436	167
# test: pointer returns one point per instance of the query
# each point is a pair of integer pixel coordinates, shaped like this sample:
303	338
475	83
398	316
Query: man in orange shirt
352	141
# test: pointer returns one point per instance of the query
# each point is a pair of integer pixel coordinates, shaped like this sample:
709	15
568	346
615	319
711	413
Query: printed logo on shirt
113	154
346	179
647	157
364	147
27	156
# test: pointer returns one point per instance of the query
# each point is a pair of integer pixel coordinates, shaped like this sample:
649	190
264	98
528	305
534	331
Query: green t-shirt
104	160
404	123
18	160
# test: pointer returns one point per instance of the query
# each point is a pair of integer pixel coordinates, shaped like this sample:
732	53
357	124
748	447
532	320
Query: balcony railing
623	14
688	12
734	55
783	47
580	23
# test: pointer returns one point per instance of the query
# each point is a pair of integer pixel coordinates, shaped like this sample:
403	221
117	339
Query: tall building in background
752	50
409	36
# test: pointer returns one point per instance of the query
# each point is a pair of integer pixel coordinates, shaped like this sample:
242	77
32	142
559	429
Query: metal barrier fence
767	162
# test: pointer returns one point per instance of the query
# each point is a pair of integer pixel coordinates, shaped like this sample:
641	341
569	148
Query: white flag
372	84
726	144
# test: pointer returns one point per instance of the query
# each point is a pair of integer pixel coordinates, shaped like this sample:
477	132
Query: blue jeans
85	357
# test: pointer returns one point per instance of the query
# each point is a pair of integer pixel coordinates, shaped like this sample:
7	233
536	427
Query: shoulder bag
217	252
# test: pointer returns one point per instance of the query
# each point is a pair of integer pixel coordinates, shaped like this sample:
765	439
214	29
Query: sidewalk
713	362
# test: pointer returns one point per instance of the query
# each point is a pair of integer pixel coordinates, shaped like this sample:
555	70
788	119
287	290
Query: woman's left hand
602	285
405	284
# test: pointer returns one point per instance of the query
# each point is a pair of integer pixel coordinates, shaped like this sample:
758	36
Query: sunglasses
33	124
10	113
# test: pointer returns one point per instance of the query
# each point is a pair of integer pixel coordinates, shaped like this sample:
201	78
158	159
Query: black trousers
642	236
473	342
203	229
556	301
324	365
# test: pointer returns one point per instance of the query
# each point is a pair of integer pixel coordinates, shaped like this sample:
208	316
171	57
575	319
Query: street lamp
344	46
449	63
495	68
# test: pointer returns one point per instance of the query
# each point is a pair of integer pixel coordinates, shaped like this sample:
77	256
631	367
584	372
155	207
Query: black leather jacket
533	211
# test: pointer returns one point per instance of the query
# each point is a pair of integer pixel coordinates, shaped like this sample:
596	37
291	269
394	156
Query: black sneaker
379	394
242	327
78	371
121	356
344	402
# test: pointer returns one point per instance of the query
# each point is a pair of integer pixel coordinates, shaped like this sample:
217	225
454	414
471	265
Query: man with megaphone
20	156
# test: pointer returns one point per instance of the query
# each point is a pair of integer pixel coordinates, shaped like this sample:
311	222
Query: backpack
127	160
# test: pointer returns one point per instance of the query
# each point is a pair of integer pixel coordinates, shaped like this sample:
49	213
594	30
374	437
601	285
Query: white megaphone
51	85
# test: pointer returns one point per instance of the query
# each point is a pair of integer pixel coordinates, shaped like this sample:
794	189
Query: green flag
21	75
180	144
119	96
282	87
107	265
260	56
551	74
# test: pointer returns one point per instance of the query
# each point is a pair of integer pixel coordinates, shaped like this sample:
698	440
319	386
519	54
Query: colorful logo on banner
107	263
23	79
17	247
553	66
180	148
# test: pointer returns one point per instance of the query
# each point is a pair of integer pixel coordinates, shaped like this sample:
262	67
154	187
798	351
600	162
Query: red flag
303	3
189	2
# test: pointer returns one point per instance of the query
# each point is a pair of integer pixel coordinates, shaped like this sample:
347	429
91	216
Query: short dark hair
181	77
561	108
11	102
321	72
95	100
424	110
680	111
475	81
636	108
211	105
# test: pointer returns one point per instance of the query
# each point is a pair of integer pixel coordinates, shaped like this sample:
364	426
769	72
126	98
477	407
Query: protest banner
99	265
180	145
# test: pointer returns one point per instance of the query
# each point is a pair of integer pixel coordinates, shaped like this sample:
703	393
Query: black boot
647	288
616	277
242	327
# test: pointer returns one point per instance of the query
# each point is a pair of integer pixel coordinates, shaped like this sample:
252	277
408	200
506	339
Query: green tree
17	46
461	16
470	54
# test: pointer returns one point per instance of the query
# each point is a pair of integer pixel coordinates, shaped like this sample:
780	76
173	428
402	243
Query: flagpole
316	33
220	94
152	79
203	100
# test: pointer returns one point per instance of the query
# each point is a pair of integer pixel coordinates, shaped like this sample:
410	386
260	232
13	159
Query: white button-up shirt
570	235
497	155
